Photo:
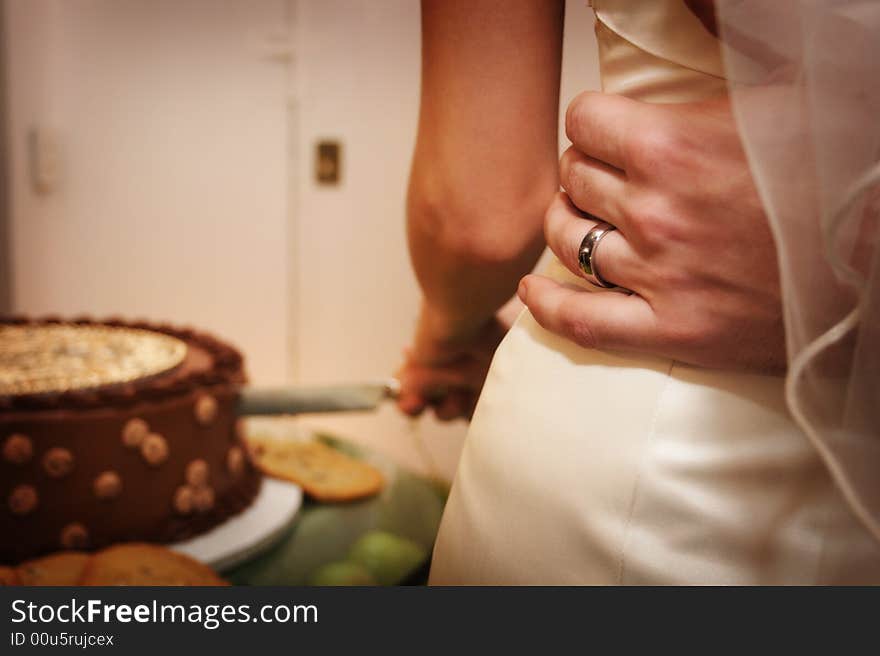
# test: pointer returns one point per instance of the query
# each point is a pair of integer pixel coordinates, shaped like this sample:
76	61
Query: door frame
5	201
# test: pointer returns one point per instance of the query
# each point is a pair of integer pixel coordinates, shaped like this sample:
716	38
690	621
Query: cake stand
249	533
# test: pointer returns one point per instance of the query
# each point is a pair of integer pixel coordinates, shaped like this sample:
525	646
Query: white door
156	131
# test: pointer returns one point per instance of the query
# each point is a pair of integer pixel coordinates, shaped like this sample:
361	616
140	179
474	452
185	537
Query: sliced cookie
64	568
323	472
146	564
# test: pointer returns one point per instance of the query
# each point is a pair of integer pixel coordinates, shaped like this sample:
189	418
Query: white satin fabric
588	467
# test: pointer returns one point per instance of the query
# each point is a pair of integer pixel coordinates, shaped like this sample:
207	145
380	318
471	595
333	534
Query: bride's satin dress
591	467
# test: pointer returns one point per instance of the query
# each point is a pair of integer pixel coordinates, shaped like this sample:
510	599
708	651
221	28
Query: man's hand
692	239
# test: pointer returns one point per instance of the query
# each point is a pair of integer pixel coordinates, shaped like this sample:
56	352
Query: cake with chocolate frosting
113	431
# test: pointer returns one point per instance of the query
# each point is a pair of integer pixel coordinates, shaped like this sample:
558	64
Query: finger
601	320
411	404
565	228
452	407
594	186
429	381
600	125
423	387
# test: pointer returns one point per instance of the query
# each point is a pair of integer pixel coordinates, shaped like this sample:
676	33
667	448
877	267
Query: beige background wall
184	132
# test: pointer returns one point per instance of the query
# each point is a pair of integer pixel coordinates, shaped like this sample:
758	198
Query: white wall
171	131
177	181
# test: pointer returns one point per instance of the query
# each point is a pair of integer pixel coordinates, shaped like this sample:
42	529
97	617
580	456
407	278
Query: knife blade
294	400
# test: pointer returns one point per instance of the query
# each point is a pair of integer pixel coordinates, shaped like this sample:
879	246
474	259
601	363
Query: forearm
469	259
485	165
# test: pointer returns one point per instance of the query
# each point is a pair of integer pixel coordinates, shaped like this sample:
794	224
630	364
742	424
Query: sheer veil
805	87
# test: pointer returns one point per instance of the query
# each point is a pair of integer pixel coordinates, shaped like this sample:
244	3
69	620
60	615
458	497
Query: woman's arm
484	170
485	163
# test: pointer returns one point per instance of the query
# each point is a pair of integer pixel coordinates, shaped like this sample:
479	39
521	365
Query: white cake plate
249	533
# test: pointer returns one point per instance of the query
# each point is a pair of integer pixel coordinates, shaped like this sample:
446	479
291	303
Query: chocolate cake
113	431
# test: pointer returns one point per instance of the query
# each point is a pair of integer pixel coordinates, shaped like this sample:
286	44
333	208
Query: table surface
409	507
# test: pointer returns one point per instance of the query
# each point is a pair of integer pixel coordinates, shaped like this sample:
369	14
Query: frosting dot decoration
203	497
23	500
74	536
183	501
206	409
58	462
38	359
197	473
134	432
235	461
154	449
107	485
18	449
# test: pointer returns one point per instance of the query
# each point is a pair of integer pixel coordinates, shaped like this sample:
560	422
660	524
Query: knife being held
295	400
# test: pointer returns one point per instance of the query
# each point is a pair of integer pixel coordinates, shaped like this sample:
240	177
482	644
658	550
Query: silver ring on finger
587	257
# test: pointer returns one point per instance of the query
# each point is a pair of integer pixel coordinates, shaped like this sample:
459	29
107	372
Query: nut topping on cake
58	462
134	432
53	358
183	501
154	449
197	473
18	449
23	500
206	409
235	461
203	497
108	485
74	536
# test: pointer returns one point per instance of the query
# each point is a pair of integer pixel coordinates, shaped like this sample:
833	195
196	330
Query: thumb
601	319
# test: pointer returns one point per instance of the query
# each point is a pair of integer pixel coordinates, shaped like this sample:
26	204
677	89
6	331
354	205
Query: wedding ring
587	254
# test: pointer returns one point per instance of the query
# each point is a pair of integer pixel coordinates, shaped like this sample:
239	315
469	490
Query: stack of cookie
133	564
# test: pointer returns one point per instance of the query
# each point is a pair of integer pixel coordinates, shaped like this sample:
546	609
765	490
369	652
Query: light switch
328	155
44	160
